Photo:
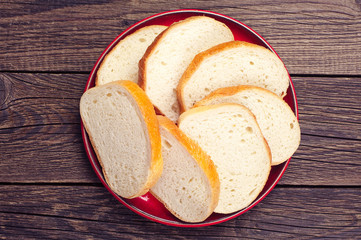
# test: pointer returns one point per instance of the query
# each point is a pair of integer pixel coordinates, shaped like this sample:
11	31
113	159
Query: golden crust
230	91
199	58
151	122
202	158
208	107
150	119
142	76
143	61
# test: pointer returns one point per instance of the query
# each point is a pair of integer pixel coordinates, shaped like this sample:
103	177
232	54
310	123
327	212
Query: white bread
229	133
276	119
124	131
231	64
189	184
165	60
122	61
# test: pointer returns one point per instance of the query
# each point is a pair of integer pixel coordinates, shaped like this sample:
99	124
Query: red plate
146	205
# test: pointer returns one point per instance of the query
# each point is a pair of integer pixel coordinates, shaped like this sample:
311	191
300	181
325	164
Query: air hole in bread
249	129
175	107
95	101
243	141
112	70
109	94
230	131
207	90
291	125
190	180
245	97
250	193
142	40
253	153
167	144
163	63
252	63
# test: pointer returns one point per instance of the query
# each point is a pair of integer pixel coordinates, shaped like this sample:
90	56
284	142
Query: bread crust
230	91
203	160
199	58
150	119
142	80
151	122
209	107
142	75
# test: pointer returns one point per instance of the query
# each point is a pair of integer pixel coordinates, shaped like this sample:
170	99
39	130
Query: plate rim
95	164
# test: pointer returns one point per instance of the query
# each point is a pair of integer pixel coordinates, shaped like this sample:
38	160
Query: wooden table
47	186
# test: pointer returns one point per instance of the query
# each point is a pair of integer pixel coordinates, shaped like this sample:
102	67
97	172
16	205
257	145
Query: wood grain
87	212
312	37
40	137
48	189
330	119
40	130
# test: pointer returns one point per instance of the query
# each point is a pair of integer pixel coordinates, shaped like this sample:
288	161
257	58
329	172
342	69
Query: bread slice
231	64
124	131
277	121
229	133
165	60
189	184
122	61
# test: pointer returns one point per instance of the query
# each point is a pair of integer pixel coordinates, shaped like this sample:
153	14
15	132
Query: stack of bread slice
222	121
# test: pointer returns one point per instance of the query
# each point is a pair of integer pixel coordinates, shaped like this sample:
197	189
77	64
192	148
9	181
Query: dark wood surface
48	189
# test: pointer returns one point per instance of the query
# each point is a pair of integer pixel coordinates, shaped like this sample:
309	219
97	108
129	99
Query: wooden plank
330	119
40	137
83	212
312	37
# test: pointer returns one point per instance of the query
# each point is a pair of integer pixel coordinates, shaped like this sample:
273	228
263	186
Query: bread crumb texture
118	132
230	134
